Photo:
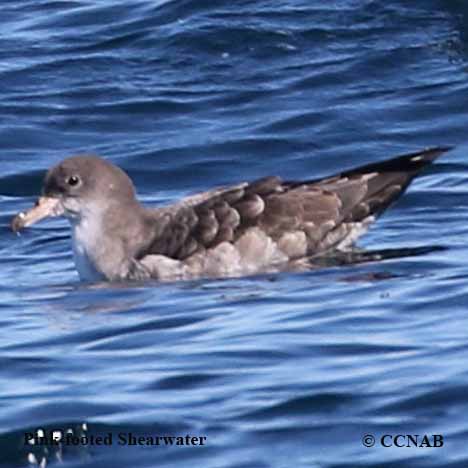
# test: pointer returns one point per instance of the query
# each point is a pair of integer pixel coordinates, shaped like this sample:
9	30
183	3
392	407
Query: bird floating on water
243	229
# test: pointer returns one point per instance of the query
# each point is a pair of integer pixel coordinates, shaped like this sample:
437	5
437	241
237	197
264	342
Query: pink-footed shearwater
243	229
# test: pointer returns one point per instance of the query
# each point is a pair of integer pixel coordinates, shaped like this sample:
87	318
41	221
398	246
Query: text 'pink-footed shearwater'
243	229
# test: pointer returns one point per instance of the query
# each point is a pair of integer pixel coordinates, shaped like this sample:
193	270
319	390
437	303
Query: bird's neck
104	244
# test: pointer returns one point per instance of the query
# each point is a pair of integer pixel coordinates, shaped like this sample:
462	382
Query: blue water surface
287	370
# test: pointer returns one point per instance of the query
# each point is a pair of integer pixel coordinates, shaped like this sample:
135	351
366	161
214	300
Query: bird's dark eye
73	181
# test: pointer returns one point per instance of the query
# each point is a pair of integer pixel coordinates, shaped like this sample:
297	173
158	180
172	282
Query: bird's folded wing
321	212
270	205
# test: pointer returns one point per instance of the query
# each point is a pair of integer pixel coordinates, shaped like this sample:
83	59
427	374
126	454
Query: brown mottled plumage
242	229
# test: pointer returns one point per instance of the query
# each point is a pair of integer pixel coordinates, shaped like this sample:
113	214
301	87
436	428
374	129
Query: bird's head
77	187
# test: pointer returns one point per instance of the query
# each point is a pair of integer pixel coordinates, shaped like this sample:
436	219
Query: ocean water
287	370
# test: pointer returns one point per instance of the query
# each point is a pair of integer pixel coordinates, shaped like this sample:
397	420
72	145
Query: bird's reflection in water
357	256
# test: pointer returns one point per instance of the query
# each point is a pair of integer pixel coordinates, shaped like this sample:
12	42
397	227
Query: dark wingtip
410	162
444	148
431	153
419	159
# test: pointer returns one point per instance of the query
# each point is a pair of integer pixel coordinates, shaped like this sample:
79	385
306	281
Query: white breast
85	240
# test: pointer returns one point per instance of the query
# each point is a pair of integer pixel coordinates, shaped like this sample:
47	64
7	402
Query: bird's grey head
80	182
79	186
